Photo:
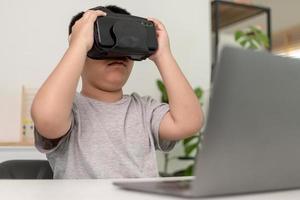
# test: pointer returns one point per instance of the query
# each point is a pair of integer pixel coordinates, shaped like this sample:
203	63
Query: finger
157	23
93	14
86	14
99	13
89	13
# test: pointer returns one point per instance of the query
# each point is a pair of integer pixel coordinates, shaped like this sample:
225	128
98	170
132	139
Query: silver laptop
252	137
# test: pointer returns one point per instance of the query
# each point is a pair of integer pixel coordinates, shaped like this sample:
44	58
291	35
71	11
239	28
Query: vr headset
119	35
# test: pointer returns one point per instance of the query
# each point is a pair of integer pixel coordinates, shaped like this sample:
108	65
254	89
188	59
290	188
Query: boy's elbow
182	128
49	129
192	126
48	126
200	123
196	122
39	115
197	127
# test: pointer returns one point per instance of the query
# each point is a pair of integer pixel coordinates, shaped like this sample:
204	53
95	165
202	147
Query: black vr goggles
120	35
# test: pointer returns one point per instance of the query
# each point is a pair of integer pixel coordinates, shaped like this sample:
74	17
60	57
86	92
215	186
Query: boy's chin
112	86
111	89
116	82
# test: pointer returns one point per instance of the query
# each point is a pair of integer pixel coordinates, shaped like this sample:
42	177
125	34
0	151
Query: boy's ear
69	38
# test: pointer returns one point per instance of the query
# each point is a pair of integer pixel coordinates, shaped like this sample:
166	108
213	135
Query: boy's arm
51	107
185	117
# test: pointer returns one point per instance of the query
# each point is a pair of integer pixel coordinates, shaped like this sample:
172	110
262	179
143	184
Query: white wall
33	38
285	14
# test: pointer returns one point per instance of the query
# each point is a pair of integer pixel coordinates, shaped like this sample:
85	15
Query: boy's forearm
53	100
184	105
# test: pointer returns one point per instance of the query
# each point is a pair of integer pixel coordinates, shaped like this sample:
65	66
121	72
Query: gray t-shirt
108	140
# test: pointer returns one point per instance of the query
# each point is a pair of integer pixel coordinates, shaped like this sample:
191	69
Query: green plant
252	38
190	145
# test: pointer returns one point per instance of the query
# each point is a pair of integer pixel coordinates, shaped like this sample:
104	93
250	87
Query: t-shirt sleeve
156	111
47	146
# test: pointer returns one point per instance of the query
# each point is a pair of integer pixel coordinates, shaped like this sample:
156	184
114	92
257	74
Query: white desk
101	190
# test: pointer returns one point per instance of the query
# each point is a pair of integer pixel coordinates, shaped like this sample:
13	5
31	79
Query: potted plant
190	145
252	38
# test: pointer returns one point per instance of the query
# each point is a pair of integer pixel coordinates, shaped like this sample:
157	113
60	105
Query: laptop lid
252	136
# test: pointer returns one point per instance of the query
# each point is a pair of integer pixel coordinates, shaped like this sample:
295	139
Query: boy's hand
83	30
163	41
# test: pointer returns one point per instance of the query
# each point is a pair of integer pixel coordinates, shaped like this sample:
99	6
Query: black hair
112	8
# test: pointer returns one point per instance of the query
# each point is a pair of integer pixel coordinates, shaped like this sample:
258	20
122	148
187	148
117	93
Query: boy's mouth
117	62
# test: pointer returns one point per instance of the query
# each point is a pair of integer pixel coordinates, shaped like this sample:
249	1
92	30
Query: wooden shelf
230	13
23	143
225	13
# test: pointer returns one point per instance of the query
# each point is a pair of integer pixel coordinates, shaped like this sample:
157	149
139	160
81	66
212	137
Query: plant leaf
264	39
252	45
190	148
162	88
189	170
180	172
160	85
188	158
252	38
198	92
238	34
187	140
243	43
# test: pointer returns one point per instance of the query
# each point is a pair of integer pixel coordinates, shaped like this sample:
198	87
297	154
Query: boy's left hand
163	41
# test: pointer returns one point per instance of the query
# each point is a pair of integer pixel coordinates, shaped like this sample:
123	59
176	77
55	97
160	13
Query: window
287	42
290	53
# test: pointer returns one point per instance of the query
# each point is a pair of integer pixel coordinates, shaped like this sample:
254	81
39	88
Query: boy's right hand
83	30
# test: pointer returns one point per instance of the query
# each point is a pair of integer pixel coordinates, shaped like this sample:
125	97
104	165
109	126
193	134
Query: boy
99	132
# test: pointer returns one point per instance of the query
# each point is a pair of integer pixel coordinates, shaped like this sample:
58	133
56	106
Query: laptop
252	136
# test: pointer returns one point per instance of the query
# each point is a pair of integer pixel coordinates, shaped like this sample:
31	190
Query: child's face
108	75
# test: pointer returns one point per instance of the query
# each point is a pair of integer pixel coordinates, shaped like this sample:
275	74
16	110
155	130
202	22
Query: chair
25	169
